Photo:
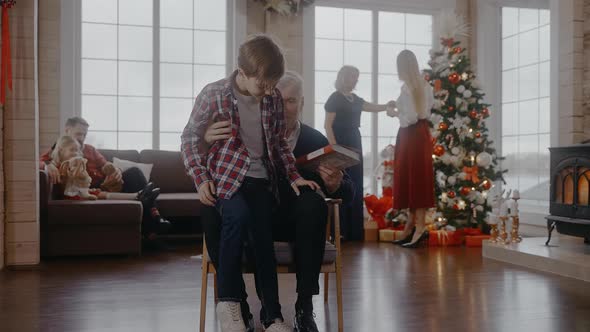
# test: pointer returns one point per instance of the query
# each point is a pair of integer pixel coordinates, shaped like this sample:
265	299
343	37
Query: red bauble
465	191
455	207
473	114
454	78
487	184
477	135
451	194
457	50
439	150
485	112
451	108
443	126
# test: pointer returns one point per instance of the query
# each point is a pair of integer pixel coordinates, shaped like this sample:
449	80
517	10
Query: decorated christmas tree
465	161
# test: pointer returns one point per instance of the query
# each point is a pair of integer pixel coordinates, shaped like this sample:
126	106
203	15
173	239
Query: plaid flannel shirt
226	162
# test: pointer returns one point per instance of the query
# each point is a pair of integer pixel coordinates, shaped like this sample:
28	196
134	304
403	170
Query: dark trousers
247	216
134	181
300	220
352	212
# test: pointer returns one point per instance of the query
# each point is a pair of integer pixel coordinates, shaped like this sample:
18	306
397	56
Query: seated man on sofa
300	219
133	179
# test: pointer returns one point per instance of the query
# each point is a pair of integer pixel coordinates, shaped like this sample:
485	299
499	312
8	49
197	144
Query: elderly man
301	219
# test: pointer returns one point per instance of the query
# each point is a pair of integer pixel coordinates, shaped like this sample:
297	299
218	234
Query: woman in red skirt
413	179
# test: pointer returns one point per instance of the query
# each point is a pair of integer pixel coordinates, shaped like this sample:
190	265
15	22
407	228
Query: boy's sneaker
279	326
230	317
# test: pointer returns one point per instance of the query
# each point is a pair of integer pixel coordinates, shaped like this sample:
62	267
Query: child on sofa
67	157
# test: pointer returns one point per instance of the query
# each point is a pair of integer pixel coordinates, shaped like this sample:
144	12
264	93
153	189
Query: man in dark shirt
301	219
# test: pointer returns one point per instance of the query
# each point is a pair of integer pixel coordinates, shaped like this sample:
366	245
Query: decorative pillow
124	165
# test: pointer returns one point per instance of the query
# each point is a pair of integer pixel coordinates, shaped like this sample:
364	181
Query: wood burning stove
569	204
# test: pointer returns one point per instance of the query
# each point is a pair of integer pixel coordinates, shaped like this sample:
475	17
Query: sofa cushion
131	155
102	212
168	173
179	204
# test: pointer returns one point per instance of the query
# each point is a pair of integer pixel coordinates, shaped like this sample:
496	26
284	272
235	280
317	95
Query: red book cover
336	156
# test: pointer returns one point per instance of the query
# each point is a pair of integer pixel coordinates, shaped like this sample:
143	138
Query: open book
336	156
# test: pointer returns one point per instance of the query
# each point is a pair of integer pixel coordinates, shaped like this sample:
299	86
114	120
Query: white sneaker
230	317
279	326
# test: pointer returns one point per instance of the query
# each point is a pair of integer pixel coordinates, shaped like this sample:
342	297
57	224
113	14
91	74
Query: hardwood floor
386	288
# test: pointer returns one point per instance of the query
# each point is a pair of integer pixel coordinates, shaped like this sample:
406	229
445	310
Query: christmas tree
465	161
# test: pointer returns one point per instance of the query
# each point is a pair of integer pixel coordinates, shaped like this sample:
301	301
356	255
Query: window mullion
374	96
156	76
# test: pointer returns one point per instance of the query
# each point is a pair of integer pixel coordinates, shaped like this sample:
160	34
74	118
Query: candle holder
514	236
494	233
503	232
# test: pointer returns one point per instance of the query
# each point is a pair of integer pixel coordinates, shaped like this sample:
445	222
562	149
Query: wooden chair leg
338	271
326	285
215	287
204	274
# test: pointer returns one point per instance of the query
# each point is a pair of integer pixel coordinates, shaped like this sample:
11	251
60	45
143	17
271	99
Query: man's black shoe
304	321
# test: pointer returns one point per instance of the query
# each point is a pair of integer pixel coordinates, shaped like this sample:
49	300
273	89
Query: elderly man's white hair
291	79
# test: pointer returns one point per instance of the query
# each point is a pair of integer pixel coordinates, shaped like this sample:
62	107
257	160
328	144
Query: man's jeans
248	216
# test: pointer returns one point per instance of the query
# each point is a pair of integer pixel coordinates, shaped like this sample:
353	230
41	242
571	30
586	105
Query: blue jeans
248	216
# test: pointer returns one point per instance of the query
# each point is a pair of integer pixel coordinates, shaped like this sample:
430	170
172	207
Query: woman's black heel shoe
422	240
405	240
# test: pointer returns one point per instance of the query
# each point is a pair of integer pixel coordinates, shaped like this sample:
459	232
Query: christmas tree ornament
457	50
484	159
455	150
467	94
465	191
478	134
443	126
454	78
465	76
486	185
461	88
485	112
439	150
451	108
473	114
451	194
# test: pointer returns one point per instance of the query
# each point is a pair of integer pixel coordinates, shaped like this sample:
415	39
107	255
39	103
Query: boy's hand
304	183
207	193
218	131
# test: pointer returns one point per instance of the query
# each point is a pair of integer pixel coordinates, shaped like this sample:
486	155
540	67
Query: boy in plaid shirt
239	176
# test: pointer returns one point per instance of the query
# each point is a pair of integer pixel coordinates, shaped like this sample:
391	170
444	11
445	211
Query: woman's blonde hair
343	74
409	72
62	143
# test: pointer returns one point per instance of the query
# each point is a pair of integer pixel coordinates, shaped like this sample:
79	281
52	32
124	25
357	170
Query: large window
526	102
142	64
346	36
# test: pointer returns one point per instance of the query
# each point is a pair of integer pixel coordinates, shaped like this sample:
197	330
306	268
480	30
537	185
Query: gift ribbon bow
471	173
443	236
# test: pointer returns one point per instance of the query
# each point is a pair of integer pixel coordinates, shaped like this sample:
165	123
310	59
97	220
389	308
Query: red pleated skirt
413	177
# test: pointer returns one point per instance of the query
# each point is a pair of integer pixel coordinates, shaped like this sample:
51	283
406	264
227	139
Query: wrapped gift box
475	240
445	238
472	231
371	231
389	235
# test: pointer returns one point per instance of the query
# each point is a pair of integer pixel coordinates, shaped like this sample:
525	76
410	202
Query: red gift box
475	240
472	231
443	238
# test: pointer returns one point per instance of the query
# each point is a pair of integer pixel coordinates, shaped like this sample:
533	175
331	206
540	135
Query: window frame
421	7
71	57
